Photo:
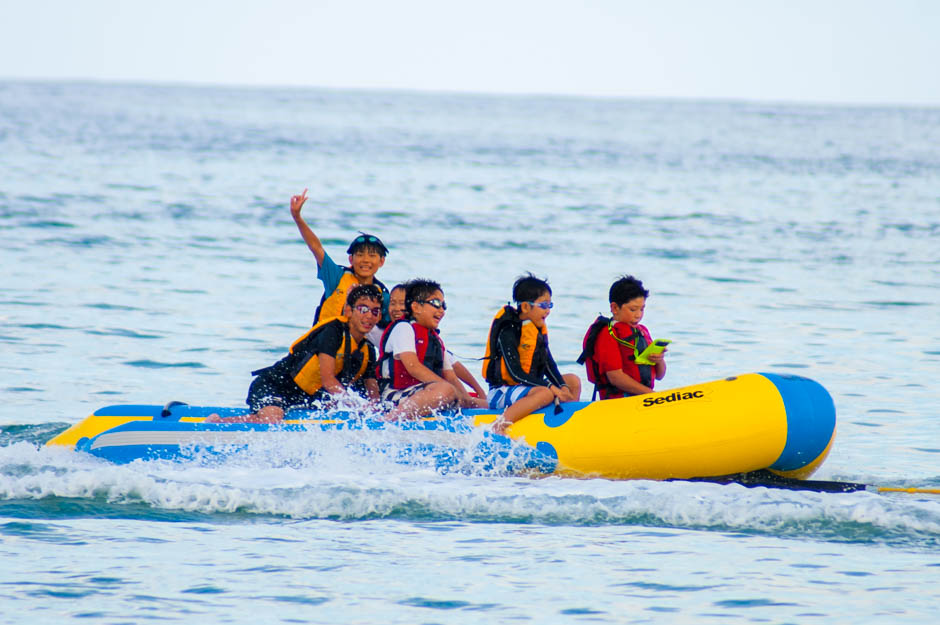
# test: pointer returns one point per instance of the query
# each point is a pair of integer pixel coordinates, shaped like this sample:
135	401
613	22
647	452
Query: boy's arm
312	240
328	375
554	375
659	360
417	369
369	382
464	375
462	395
372	389
620	379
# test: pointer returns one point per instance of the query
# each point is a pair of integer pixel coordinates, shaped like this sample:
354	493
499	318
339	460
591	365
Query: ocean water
148	255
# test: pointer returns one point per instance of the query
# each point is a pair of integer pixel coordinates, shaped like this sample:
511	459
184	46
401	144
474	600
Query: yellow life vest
529	345
332	305
308	376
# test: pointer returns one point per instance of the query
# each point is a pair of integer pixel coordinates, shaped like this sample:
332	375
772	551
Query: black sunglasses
436	303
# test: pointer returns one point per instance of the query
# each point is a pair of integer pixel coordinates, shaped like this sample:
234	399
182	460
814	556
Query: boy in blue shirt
366	256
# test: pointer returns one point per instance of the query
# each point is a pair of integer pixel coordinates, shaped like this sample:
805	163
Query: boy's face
365	262
396	304
427	315
630	312
363	317
533	312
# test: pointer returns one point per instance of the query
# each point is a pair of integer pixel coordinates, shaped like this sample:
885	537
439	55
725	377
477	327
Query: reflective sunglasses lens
365	310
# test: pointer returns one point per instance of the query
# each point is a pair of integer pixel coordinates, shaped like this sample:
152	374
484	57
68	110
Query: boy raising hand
366	256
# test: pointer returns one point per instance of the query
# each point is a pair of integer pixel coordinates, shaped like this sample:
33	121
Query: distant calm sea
148	255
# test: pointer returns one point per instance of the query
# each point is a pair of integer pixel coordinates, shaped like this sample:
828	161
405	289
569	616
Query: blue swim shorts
503	397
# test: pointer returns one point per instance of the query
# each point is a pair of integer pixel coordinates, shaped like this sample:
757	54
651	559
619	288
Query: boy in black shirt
332	356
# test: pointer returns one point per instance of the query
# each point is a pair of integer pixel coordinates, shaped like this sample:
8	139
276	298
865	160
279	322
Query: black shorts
273	388
397	395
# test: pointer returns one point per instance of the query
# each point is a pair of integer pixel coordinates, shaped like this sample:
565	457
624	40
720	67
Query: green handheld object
655	347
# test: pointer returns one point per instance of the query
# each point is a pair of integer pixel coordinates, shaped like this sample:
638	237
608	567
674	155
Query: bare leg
574	384
434	396
268	414
538	397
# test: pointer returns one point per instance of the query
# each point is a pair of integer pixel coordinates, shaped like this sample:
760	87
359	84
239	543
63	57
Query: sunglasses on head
362	309
367	239
543	305
436	303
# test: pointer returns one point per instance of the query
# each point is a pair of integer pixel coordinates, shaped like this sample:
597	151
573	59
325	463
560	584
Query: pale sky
843	51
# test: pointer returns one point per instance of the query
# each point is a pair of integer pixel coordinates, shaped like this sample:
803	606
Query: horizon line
142	82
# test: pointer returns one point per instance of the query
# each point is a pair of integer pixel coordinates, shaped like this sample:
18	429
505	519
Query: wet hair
368	291
417	290
625	289
403	286
367	243
528	288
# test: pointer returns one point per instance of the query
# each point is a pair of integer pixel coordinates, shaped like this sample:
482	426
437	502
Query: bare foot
500	426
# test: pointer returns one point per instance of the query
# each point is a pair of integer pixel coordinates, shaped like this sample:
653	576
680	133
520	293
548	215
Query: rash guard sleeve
330	273
551	369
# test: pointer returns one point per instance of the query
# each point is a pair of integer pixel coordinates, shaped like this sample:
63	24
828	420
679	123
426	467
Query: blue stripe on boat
811	419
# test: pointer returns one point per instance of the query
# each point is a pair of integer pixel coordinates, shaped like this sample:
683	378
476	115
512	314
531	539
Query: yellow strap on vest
333	305
527	347
309	378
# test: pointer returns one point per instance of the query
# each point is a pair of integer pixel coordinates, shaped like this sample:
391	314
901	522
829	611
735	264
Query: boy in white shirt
416	373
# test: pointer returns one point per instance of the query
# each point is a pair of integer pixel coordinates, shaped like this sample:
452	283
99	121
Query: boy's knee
445	390
543	394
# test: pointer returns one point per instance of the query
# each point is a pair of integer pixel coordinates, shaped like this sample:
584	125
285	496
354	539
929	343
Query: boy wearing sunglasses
518	365
396	311
366	256
331	358
416	372
619	340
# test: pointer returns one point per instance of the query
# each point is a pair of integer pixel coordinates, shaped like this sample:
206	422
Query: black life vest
530	342
302	363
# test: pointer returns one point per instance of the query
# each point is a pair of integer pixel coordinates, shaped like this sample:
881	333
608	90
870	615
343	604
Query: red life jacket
637	341
430	351
630	344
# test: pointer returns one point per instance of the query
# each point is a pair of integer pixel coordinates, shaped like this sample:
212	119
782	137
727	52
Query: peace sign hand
297	203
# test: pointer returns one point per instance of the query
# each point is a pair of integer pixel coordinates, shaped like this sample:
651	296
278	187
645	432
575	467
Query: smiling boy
366	256
416	372
396	302
518	365
330	358
396	311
